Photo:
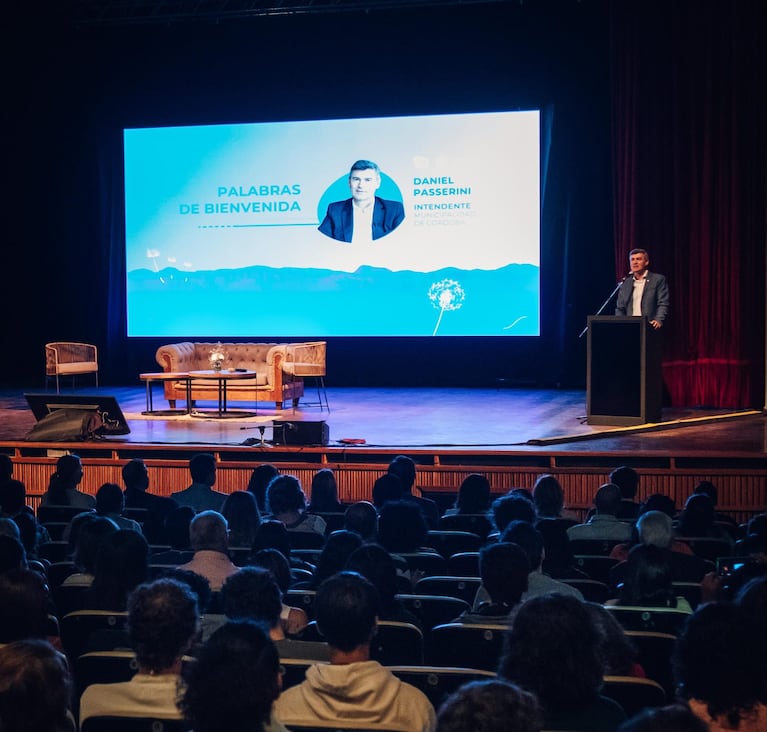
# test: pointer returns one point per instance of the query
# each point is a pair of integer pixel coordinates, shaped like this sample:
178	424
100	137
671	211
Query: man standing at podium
643	293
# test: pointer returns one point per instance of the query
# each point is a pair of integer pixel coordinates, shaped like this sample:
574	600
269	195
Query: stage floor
408	419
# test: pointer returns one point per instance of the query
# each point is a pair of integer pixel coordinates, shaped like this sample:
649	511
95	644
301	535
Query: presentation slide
396	226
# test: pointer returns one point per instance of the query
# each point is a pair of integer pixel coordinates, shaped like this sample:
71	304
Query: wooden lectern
624	376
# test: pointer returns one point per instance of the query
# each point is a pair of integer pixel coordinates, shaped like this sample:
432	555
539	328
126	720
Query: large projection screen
223	231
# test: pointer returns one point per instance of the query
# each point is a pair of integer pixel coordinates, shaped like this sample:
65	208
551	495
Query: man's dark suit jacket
655	297
339	220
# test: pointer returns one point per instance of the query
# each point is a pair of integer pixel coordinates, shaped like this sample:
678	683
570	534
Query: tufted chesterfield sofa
272	362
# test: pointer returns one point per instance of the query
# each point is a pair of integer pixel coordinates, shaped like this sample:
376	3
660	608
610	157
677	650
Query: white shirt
636	295
362	231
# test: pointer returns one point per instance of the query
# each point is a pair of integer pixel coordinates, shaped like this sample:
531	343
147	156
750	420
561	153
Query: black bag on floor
67	425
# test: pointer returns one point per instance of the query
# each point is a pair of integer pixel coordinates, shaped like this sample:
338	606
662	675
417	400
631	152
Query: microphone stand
606	302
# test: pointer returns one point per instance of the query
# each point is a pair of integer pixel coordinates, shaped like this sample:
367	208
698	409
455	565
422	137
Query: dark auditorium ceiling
128	12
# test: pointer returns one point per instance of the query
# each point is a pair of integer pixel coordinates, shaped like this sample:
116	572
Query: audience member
604	524
136	480
752	600
334	555
549	499
627	479
529	539
89	535
698	519
404	468
176	526
352	687
23	605
559	561
200	494
754	543
162	623
655	528
234	682
122	564
618	651
293	619
494	705
386	488
553	651
402	528
504	569
209	539
272	534
253	594
508	508
286	502
473	496
716	669
707	488
375	564
110	502
324	493
240	510
362	518
6	469
12	554
647	581
259	479
672	718
62	488
8	527
35	687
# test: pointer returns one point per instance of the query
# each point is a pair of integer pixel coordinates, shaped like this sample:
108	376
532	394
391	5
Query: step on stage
519	433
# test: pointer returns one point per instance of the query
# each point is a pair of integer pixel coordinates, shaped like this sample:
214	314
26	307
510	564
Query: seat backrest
433	610
448	543
475	523
77	627
654	651
302	599
652	619
592	590
465	645
464	588
634	694
596	566
306	540
103	667
133	724
51	513
438	682
428	563
597	547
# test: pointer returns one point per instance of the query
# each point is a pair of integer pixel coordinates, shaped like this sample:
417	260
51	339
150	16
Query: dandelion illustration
446	295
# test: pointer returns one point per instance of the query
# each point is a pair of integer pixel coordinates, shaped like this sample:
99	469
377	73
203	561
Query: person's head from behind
404	468
324	494
234	681
209	531
272	534
362	518
14	497
374	563
162	623
196	583
552	651
473	494
512	508
122	563
177	523
240	510
671	718
202	468
401	527
275	562
617	649
8	527
548	496
346	608
135	475
91	534
386	488
607	500
752	601
707	488
556	543
6	467
698	516
260	478
647	579
109	499
528	539
23	605
69	470
35	688
714	662
494	705
12	552
285	495
504	568
627	479
27	528
655	528
364	181
252	593
659	502
338	548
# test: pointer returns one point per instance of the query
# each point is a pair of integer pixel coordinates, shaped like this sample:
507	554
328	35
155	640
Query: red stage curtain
689	129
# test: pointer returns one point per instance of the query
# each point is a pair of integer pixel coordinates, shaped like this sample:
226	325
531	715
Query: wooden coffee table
223	377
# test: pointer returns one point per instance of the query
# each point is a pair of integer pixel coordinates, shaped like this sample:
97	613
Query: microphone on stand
605	303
